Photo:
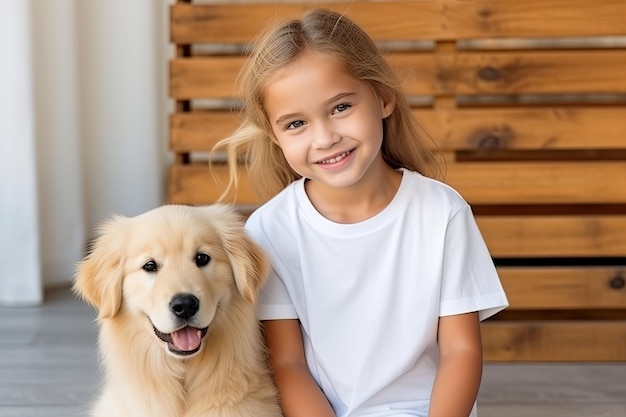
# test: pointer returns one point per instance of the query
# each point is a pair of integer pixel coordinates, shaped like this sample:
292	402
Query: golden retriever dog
175	291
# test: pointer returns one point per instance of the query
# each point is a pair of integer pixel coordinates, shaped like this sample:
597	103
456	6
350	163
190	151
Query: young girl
380	274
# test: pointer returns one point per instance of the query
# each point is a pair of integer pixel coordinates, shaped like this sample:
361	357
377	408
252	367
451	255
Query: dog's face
175	267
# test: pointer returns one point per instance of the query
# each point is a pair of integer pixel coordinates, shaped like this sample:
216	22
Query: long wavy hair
321	30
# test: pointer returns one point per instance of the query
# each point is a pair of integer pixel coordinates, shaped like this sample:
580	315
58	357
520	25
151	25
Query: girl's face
328	124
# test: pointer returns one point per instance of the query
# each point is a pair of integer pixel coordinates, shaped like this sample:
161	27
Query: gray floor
48	369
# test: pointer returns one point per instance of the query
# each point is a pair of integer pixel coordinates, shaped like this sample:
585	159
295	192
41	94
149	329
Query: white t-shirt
369	295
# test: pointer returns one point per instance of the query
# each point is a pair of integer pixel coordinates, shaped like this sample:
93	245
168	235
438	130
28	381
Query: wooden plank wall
527	101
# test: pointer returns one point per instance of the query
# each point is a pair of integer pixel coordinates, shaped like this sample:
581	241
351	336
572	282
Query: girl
380	275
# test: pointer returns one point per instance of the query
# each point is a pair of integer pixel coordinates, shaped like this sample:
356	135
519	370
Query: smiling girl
380	275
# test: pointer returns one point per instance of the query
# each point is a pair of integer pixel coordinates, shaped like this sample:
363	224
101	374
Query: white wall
20	270
121	93
57	115
97	121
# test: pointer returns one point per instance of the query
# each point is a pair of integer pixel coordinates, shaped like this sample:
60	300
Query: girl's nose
325	136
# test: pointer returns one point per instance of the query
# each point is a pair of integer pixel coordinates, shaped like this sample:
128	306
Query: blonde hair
328	32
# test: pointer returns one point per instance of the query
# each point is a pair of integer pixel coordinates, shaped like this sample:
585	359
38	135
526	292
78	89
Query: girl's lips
336	158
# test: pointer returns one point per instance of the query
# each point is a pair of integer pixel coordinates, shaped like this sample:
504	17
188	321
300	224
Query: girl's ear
270	134
273	138
388	103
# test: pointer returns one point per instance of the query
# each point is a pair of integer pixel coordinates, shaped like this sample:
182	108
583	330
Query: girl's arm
460	368
299	394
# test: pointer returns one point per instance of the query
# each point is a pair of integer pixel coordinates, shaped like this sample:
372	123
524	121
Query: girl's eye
202	259
294	125
340	108
150	266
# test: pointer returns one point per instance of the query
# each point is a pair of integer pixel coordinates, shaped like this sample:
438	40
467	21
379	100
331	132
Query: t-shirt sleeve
274	299
470	281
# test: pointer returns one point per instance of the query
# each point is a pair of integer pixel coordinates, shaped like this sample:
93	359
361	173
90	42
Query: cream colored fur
228	376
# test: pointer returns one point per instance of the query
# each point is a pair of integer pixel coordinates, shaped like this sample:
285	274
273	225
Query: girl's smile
336	159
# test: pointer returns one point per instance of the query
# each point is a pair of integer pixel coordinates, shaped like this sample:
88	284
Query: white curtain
83	124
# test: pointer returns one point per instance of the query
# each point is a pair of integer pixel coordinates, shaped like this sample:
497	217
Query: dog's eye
202	259
150	266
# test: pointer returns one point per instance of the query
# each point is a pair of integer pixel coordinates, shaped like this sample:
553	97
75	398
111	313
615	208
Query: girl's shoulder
431	191
277	208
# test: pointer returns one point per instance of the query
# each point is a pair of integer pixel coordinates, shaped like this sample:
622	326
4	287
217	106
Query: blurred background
83	117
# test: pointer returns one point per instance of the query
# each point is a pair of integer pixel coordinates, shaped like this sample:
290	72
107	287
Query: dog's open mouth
185	341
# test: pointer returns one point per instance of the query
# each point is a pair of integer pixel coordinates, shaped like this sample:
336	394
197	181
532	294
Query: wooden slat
201	184
563	287
200	131
215	76
241	23
563	182
530	72
463	129
479	183
212	77
536	18
554	236
397	20
554	341
527	128
544	72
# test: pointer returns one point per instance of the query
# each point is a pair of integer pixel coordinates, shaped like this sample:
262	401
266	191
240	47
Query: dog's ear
98	278
249	262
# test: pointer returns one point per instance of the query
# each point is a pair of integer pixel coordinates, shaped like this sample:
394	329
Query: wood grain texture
527	128
552	182
557	341
570	288
437	19
554	236
540	72
200	131
470	73
203	184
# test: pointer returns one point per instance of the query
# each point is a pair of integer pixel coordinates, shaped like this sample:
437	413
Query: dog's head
174	266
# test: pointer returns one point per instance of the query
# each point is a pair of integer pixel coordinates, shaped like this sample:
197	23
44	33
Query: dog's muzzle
186	340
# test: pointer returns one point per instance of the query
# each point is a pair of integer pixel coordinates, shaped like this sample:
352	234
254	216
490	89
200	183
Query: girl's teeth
336	159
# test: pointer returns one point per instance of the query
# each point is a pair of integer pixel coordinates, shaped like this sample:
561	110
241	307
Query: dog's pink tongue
187	339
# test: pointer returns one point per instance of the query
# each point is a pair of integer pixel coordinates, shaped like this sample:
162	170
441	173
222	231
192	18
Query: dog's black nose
184	305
